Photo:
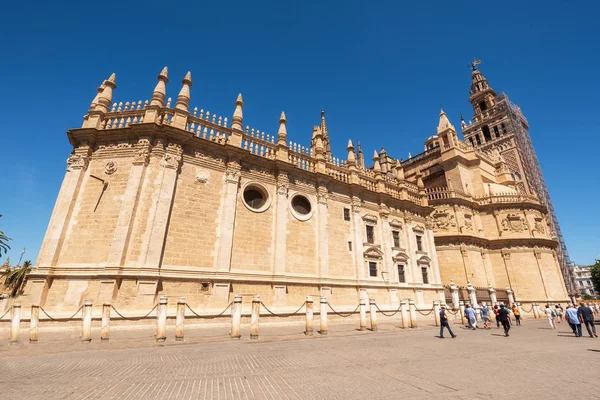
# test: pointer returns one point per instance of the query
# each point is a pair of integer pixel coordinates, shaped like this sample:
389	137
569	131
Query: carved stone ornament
76	161
539	226
468	222
370	218
513	222
233	172
283	184
443	220
171	160
322	195
111	167
355	202
202	175
141	157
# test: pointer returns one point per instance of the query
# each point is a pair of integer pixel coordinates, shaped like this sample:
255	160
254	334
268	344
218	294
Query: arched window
482	106
486	133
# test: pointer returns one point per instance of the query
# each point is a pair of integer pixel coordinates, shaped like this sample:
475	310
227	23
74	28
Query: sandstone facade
161	200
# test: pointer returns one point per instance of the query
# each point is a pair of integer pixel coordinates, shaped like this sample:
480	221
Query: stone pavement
534	362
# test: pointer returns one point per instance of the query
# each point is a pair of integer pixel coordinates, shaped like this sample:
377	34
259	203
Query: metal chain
7	311
388	315
452	312
430	311
133	318
57	319
530	310
343	315
285	315
208	316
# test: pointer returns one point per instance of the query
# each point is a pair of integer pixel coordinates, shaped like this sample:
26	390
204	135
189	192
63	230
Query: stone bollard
413	313
404	313
33	323
373	315
323	314
463	320
236	317
86	329
105	332
179	319
309	316
254	317
436	312
15	323
534	310
363	314
161	319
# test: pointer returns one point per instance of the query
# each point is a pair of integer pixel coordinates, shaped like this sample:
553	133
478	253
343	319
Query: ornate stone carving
111	167
322	195
76	161
233	172
539	225
141	156
171	160
514	223
283	184
468	227
202	175
443	220
355	203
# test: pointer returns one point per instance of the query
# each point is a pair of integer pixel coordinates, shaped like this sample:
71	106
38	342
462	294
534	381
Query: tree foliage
4	247
16	278
595	270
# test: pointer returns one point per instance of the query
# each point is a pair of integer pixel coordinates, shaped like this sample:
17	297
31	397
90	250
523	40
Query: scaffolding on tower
536	181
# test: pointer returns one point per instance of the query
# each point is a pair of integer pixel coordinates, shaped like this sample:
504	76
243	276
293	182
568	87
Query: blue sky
381	70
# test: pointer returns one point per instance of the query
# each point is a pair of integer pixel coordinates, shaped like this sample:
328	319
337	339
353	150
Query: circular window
301	207
256	197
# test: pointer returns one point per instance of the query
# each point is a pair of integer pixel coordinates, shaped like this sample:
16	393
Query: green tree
595	270
16	278
4	247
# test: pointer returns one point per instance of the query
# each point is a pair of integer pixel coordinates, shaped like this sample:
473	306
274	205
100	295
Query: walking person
517	314
503	317
573	319
496	309
559	313
444	323
470	314
550	315
586	316
485	316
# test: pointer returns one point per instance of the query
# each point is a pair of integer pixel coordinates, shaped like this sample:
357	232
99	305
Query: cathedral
169	200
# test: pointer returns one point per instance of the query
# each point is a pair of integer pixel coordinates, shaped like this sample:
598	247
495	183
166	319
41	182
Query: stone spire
325	133
360	157
105	97
463	124
282	133
238	115
351	155
160	91
183	98
376	165
444	123
98	90
399	171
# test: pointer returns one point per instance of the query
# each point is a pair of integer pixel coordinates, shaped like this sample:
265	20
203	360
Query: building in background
583	279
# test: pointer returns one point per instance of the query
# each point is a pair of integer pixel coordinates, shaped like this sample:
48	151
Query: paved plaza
534	363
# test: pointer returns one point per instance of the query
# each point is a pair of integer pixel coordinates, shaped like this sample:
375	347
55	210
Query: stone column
15	323
410	248
373	315
363	314
323	315
309	316
161	212
404	313
254	315
86	331
413	313
322	243
472	294
161	319
225	242
120	241
65	203
493	297
511	297
179	319
236	316
33	323
455	296
358	238
386	246
281	223
105	329
435	266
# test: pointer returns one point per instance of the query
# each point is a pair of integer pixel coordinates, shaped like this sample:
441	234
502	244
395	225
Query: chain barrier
208	316
429	313
530	310
7	311
386	314
133	318
285	315
58	319
343	315
452	312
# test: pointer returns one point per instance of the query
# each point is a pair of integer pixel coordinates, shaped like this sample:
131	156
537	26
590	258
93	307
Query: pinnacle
188	78
164	73
239	99
375	155
350	144
113	78
282	117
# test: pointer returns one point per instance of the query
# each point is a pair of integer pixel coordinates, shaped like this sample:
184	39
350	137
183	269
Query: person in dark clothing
445	324
586	316
496	308
503	314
